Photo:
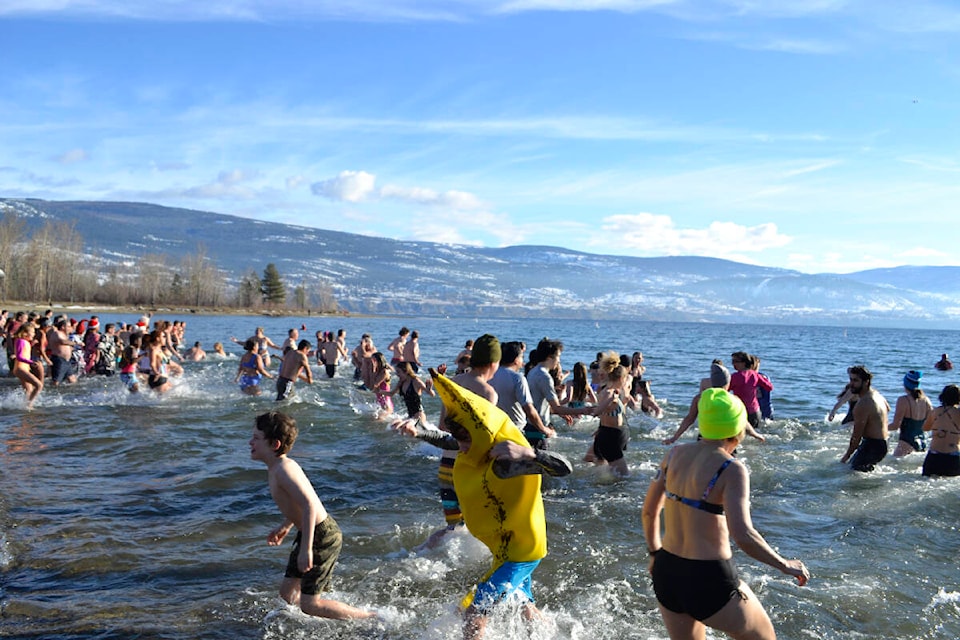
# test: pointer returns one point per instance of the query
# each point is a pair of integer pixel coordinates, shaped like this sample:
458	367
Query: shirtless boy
295	365
319	540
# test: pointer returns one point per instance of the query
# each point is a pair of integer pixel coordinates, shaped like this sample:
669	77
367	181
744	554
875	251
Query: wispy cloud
72	156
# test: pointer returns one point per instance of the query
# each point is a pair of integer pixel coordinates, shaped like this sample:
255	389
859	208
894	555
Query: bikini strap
716	477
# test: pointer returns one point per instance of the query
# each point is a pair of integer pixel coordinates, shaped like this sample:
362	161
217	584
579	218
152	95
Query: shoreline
81	309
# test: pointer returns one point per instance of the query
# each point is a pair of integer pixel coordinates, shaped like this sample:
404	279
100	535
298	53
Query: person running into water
319	540
128	363
910	413
868	443
262	344
195	353
251	371
700	495
577	391
744	384
497	466
410	387
719	379
610	440
943	423
26	368
294	366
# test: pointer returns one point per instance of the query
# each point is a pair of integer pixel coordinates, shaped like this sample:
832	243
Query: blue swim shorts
509	578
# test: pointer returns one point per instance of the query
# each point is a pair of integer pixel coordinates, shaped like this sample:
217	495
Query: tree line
50	265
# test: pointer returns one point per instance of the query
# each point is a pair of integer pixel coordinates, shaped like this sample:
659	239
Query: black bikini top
702	504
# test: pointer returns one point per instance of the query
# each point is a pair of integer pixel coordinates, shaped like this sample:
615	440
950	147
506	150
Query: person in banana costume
497	479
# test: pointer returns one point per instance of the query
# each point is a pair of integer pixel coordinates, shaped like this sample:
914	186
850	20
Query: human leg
743	618
681	626
315	605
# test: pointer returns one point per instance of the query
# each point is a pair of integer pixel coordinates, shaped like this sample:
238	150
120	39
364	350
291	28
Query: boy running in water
318	542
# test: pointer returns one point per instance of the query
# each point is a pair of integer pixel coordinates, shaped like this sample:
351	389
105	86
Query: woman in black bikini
703	493
943	458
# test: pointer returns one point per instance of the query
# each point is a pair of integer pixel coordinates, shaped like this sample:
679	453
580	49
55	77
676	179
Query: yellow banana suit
505	514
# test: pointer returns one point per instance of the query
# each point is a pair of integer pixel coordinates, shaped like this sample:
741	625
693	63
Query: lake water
132	516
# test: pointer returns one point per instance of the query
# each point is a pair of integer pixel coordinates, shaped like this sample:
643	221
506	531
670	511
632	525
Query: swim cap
911	381
486	350
721	414
719	376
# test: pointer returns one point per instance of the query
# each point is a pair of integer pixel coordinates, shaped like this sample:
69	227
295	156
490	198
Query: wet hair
861	372
280	427
624	360
579	381
916	394
950	396
249	344
403	331
303	344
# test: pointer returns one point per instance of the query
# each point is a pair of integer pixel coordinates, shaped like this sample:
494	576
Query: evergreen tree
271	286
176	289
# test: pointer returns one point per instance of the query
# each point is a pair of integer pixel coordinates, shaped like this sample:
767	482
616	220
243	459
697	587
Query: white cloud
295	181
72	157
348	186
651	234
457	200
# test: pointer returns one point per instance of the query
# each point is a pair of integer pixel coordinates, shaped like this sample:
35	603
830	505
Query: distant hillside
379	275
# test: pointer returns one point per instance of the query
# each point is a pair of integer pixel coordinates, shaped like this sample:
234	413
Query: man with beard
868	444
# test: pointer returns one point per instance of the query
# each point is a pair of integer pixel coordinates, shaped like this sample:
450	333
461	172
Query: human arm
412	427
534	420
736	507
650	513
899	414
859	424
22	351
275	537
764	382
844	398
929	422
259	366
687	421
511	459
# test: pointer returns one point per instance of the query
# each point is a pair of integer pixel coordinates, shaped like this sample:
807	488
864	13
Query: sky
817	135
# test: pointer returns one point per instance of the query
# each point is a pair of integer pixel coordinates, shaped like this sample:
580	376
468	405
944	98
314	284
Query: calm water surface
132	516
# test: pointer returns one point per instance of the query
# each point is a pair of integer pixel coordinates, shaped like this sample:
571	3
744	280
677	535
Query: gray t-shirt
513	393
543	392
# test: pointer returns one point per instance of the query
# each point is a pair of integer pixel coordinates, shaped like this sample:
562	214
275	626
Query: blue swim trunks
509	578
129	380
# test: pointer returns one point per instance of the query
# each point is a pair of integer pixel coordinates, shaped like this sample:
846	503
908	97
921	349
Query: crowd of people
494	429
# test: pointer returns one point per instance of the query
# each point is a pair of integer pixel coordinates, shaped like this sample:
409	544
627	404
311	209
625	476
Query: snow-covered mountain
379	275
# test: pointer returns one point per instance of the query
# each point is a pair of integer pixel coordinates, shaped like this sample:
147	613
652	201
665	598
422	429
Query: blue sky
820	136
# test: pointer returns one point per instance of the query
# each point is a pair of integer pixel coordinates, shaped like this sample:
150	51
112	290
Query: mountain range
384	276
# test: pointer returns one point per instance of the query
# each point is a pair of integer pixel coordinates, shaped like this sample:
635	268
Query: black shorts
869	453
699	588
610	443
327	542
156	381
941	464
284	385
331	370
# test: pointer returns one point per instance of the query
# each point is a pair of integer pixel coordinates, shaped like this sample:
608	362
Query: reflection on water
142	516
